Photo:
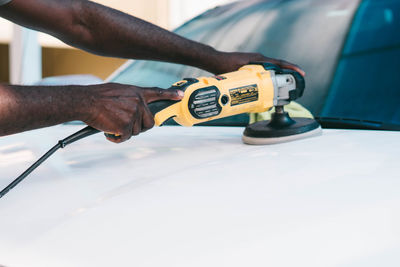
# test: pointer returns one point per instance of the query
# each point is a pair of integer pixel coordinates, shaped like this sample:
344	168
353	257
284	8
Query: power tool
256	87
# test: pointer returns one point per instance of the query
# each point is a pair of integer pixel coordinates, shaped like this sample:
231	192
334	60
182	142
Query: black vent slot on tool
203	103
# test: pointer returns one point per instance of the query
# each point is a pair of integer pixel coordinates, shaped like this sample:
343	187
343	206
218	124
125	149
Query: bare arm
112	108
108	32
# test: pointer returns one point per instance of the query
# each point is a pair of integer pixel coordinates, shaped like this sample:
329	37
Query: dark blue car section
366	85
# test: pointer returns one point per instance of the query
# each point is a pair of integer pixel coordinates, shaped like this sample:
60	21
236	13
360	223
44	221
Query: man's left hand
233	61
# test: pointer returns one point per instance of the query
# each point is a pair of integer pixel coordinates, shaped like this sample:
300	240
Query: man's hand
122	110
112	108
233	61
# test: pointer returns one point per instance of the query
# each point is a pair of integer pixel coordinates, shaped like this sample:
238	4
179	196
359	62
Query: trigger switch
184	84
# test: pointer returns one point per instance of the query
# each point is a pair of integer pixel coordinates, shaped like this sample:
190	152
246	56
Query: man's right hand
122	109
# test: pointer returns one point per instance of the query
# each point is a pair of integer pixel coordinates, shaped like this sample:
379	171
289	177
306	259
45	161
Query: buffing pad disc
269	132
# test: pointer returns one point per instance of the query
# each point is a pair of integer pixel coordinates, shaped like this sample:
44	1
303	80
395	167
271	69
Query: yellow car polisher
253	88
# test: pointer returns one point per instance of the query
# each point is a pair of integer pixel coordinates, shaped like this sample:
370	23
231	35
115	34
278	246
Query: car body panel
198	196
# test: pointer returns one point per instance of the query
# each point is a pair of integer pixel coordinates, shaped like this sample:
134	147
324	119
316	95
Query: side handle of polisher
165	109
162	110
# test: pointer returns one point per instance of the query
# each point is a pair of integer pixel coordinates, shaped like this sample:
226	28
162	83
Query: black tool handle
157	106
154	107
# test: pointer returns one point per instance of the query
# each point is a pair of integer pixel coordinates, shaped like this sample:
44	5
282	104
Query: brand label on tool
243	95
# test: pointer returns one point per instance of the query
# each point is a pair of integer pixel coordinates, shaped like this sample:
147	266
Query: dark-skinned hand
122	110
234	60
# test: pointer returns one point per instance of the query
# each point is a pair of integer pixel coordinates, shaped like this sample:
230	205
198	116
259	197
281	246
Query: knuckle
127	132
136	131
137	98
125	122
158	91
148	125
135	108
145	129
151	122
140	103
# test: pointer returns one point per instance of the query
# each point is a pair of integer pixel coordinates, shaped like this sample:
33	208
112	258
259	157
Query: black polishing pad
281	128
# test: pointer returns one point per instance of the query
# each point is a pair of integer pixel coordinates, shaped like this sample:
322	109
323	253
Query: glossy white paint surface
199	197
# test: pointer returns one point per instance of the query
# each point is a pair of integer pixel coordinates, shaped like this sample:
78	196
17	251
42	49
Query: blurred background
27	56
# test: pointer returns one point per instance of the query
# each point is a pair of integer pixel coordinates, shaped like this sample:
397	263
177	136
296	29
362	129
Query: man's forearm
108	32
113	33
24	108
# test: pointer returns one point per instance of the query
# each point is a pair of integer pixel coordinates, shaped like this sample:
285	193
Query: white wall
183	10
25	57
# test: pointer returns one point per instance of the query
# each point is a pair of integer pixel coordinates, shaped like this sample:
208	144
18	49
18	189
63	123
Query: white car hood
197	196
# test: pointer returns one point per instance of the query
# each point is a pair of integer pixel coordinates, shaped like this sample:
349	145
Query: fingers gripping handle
162	110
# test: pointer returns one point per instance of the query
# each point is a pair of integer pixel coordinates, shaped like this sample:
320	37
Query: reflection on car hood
197	196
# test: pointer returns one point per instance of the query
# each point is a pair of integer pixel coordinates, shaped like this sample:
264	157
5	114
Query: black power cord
61	144
154	107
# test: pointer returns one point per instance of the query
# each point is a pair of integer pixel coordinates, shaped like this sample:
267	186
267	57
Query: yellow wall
4	73
66	60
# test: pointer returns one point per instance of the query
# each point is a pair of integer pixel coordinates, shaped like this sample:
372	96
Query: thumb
156	94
